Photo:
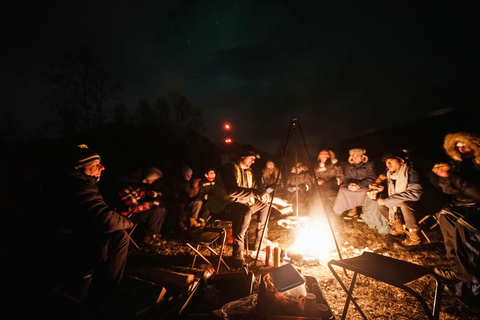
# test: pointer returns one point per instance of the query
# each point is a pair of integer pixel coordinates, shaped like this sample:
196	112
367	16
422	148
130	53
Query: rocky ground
28	297
378	300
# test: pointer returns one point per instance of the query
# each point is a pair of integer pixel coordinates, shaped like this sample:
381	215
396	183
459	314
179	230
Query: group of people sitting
388	202
233	194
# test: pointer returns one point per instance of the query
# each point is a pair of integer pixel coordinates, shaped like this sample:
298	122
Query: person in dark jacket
236	197
460	219
206	185
103	241
358	174
299	186
403	190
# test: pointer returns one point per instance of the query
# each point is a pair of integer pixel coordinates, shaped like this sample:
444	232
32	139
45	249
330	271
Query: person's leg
109	271
467	248
261	209
195	207
447	223
240	215
373	217
181	216
408	216
152	219
341	201
396	224
204	215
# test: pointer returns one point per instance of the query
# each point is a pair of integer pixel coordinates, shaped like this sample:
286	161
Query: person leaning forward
236	197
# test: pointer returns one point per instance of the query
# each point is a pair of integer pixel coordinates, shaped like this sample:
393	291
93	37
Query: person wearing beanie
398	205
236	197
143	202
100	230
460	219
358	174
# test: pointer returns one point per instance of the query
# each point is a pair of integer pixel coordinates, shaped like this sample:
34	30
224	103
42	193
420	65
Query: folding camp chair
388	270
130	235
204	240
431	227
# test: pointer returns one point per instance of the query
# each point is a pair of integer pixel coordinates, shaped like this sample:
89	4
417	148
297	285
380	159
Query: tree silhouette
82	89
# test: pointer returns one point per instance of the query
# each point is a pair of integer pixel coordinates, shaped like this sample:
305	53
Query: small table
388	270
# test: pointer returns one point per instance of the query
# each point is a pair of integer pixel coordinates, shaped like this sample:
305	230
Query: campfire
313	243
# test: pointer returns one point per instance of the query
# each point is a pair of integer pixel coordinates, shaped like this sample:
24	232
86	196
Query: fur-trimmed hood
472	141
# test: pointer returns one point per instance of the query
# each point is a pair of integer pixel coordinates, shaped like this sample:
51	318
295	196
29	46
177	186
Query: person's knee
120	237
237	209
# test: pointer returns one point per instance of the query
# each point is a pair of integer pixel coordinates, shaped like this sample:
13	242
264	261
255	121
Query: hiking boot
238	259
412	239
397	228
352	213
447	274
182	226
194	223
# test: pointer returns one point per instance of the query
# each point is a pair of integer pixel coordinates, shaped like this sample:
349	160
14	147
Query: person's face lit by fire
93	169
270	165
393	164
187	175
210	175
465	150
323	156
357	158
246	162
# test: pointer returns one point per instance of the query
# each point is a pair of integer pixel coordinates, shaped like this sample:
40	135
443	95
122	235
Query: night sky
340	67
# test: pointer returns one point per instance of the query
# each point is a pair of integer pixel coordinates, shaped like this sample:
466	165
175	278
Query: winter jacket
137	198
362	174
233	184
464	177
85	208
413	192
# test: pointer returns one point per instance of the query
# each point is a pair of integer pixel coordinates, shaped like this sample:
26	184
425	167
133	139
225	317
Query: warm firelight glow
314	241
227	126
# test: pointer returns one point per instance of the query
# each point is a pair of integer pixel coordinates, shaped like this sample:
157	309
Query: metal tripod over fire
293	130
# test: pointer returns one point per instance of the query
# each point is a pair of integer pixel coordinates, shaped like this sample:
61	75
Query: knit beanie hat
248	151
152	173
83	155
186	169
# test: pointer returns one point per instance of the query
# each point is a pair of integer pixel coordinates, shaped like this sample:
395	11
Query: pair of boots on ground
412	239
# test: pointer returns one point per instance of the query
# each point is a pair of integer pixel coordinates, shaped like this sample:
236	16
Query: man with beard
236	197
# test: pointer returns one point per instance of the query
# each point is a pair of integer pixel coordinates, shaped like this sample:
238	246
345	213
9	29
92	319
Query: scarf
397	183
